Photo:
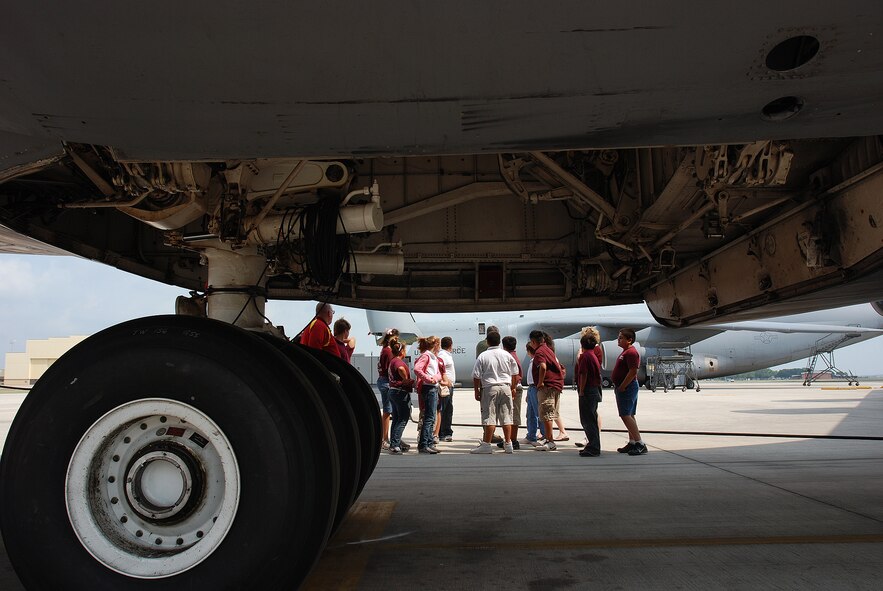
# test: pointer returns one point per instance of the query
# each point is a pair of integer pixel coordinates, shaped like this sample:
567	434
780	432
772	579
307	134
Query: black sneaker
627	448
585	453
515	444
500	443
638	450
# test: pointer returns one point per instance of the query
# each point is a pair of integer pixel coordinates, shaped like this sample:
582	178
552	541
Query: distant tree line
772	374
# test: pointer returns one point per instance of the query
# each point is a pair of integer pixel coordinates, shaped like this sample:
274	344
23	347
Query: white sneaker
484	448
526	441
547	446
384	444
508	447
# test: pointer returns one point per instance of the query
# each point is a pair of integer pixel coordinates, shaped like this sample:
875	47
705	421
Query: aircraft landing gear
181	452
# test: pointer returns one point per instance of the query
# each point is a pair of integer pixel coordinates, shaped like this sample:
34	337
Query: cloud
17	278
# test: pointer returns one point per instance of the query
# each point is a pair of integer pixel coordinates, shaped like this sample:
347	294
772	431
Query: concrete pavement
699	511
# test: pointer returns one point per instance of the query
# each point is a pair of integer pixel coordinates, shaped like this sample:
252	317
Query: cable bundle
323	253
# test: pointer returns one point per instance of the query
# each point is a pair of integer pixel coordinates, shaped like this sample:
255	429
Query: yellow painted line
344	559
647	543
847	388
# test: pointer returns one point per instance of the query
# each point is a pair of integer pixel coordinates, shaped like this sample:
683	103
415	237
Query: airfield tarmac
737	511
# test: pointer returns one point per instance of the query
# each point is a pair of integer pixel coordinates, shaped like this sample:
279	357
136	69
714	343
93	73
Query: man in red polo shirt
317	334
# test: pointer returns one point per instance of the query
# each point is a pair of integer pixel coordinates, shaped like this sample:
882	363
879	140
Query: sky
59	296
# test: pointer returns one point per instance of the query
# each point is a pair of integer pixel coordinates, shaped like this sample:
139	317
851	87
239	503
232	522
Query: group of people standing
435	377
497	383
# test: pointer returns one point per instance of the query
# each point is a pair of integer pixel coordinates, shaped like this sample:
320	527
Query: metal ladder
825	353
672	367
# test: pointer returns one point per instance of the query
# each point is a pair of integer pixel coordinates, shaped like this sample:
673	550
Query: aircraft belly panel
411	80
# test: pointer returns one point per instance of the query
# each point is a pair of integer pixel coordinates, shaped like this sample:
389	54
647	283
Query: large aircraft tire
164	453
365	406
343	421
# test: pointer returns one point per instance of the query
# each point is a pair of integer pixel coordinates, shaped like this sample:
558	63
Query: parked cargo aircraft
719	164
714	350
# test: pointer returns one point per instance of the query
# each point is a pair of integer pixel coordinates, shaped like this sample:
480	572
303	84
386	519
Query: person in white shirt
494	379
446	403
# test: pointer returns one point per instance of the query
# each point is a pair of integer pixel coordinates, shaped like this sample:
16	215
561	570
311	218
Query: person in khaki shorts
493	377
509	345
549	378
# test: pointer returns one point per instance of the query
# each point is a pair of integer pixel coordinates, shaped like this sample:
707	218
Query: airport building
23	369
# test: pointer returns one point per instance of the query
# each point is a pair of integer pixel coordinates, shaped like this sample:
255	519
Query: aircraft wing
562	328
12	242
789	327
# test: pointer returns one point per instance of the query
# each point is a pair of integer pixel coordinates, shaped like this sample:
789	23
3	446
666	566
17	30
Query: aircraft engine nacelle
610	353
567	351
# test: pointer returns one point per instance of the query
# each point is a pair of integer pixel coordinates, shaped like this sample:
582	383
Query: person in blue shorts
625	384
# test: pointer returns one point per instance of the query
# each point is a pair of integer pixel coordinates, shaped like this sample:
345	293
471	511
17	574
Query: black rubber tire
287	459
606	382
364	402
343	421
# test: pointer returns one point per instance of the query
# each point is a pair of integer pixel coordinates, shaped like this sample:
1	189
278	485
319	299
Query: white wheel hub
152	488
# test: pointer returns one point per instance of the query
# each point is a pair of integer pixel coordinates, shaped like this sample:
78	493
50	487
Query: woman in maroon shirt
400	386
383	385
